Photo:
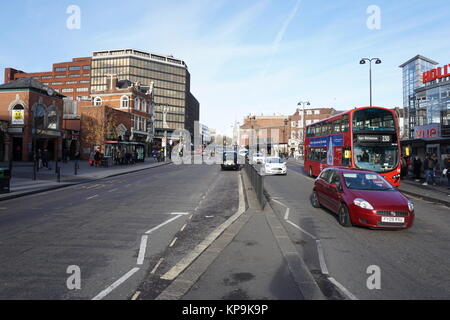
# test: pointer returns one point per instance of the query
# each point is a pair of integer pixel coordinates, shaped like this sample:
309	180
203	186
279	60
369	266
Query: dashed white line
92	197
157	265
286	215
323	266
108	290
179	213
280	203
136	295
183	227
142	248
173	242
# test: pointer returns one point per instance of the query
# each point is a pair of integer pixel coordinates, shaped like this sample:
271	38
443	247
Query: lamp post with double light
363	61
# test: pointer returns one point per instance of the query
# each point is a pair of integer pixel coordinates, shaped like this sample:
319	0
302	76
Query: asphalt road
413	264
107	229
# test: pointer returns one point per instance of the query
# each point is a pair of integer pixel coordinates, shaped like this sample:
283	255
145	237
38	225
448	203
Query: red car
362	198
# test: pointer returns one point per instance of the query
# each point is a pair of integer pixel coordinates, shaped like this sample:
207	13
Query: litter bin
5	180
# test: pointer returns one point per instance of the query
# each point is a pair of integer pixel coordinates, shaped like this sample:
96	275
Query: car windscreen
229	156
366	181
274	160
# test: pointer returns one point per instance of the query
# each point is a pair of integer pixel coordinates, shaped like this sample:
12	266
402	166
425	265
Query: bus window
308	132
337	126
345	125
323	155
373	119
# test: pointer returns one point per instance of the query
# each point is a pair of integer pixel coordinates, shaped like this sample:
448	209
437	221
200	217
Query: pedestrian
404	167
417	167
97	158
430	170
447	170
39	158
77	159
45	159
92	158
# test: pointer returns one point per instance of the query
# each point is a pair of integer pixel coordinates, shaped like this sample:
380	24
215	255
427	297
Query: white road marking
343	289
173	242
280	203
305	232
108	290
143	247
92	197
156	266
323	266
136	295
286	215
190	257
183	227
113	190
179	213
162	224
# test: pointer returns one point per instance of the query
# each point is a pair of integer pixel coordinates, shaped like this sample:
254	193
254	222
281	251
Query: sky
245	56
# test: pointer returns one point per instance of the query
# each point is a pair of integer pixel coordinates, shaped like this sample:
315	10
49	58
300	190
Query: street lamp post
303	103
363	61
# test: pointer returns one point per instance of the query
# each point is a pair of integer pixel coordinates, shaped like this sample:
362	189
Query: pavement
439	193
22	183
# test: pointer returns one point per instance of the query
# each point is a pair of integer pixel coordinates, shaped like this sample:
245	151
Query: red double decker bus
367	138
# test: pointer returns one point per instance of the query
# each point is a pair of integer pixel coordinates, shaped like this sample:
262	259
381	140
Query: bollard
34	171
76	168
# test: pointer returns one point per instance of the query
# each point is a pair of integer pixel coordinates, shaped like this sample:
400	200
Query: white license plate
393	219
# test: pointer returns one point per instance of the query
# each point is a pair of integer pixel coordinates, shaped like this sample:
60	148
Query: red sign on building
437	73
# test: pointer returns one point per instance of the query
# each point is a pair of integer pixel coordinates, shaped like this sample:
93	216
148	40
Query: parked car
361	197
258	158
230	160
274	165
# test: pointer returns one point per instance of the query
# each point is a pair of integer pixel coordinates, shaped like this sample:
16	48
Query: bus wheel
344	216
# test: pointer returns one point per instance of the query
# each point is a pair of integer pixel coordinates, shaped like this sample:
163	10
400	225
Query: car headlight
363	204
410	206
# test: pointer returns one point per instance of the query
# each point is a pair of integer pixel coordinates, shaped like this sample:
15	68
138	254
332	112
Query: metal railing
257	181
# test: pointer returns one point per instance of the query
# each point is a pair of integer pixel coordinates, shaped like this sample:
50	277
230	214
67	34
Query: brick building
31	114
72	79
121	117
269	133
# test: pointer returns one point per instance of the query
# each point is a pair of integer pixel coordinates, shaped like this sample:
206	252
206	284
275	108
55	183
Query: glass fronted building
412	79
170	77
426	89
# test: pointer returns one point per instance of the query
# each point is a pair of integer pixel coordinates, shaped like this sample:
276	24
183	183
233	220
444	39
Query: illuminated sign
428	131
437	73
18	117
374	138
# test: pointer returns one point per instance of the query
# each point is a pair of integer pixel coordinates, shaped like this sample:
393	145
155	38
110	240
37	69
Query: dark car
362	198
230	160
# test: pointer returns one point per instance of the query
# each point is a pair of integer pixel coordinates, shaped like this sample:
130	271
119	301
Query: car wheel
314	200
344	216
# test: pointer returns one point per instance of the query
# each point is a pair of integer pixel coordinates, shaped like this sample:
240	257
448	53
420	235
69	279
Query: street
414	263
100	228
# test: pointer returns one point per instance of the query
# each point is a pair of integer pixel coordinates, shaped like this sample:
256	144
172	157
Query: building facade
72	79
428	110
136	101
32	114
171	80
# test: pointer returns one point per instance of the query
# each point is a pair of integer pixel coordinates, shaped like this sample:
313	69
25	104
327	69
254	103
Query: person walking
430	170
45	159
77	157
447	170
92	158
417	167
97	158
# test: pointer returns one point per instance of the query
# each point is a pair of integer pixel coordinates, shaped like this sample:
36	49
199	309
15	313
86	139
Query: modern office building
171	80
72	79
426	88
